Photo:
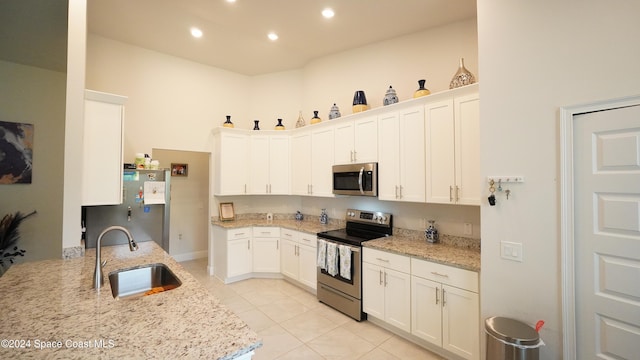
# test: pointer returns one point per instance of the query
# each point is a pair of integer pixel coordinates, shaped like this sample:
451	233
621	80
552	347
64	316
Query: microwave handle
360	180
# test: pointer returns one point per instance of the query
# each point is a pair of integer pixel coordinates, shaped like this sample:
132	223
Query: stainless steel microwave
356	179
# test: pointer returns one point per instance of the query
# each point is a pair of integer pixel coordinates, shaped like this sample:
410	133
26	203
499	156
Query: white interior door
607	233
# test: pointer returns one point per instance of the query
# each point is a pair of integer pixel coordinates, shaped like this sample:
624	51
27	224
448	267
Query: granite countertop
312	227
451	251
52	304
418	247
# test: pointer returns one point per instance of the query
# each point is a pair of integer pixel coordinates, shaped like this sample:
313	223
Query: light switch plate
511	250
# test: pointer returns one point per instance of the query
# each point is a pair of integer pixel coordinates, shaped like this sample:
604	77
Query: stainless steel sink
142	280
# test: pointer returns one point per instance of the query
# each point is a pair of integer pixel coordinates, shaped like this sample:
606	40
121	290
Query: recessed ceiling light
272	36
231	1
196	33
328	13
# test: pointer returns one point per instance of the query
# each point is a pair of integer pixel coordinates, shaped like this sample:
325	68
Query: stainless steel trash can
509	339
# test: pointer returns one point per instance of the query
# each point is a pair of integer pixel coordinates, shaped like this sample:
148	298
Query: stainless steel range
340	259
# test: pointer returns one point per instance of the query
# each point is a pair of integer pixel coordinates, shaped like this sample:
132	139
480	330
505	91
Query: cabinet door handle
277	244
400	191
457	193
437	300
443	299
248	244
380	271
245	188
385	279
438	274
355	156
450	193
266	188
396	193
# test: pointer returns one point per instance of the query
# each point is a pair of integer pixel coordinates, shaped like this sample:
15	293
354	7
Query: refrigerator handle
129	213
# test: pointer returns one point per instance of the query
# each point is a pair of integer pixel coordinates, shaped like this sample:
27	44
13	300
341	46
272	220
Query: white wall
174	103
432	55
536	57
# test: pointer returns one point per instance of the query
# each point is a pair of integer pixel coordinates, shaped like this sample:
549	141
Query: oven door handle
353	248
360	180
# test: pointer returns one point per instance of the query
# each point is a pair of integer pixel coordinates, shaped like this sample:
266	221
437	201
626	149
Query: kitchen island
50	310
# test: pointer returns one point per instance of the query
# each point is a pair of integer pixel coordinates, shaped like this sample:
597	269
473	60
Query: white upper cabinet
311	161
301	162
401	156
356	141
102	148
269	164
453	150
231	159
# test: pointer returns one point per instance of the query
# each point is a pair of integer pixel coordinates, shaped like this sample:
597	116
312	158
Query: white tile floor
294	325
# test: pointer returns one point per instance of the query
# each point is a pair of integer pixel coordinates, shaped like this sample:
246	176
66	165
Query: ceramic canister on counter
431	233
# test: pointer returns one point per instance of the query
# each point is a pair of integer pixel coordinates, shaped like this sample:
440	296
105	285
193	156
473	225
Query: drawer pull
289	235
239	234
381	259
438	274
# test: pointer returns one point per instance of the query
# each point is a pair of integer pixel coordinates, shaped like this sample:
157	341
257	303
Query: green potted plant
9	236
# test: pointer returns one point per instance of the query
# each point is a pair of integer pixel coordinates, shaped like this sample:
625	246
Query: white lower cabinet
240	253
386	287
231	253
266	250
298	257
445	307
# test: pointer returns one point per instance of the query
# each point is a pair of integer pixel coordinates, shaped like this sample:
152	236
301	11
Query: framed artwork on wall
16	148
179	169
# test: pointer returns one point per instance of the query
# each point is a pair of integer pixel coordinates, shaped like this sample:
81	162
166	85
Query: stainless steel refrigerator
144	211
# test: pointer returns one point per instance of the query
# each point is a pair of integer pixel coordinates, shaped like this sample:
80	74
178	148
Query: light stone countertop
459	252
308	226
418	247
53	301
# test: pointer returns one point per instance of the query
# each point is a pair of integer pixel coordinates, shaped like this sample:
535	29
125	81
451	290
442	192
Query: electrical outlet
269	217
468	229
511	250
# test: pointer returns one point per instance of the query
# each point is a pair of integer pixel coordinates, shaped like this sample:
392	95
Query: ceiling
33	32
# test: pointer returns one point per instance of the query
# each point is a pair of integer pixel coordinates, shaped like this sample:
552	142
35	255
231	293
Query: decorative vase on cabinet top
334	113
315	119
300	122
228	123
390	97
462	77
279	125
359	102
422	91
256	126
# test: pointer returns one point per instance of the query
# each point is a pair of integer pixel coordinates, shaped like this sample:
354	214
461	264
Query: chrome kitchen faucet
98	278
